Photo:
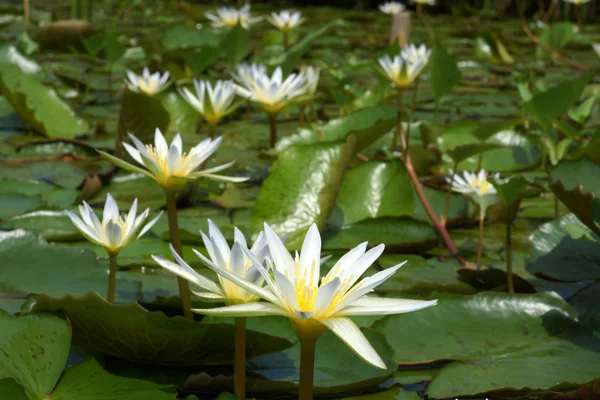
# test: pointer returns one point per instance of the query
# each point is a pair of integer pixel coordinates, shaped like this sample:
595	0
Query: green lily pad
302	188
236	44
183	116
570	261
375	189
135	334
480	327
51	225
15	204
127	187
39	106
31	343
61	173
398	234
367	125
549	235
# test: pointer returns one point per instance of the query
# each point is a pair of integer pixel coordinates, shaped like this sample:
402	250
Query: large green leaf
554	102
87	380
547	236
570	261
140	115
375	189
367	125
12	204
465	326
34	351
202	59
183	117
398	234
444	71
133	333
39	106
290	58
236	44
302	188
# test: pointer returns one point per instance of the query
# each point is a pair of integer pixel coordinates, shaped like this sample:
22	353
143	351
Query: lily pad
302	188
570	261
135	334
39	106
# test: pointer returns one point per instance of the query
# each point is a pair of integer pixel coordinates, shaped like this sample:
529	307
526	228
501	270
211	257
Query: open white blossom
295	289
271	92
229	16
169	165
212	102
232	259
404	68
286	20
115	231
476	186
392	7
147	83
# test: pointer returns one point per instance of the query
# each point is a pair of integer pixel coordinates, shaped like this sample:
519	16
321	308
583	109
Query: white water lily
296	290
212	102
392	7
169	165
232	259
229	16
271	92
312	82
596	47
115	231
476	186
147	83
286	20
404	68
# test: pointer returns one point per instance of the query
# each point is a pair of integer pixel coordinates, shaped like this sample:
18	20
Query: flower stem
307	367
273	126
302	115
211	131
184	289
240	358
286	41
399	128
480	241
112	277
509	271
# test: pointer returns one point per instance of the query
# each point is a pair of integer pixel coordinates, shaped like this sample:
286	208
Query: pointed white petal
383	306
111	210
310	255
349	333
244	310
281	257
325	295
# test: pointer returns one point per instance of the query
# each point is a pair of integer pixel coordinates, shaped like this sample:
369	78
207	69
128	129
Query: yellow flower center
148	86
182	168
480	187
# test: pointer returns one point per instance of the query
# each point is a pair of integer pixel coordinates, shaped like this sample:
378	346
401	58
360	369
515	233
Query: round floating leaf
302	188
89	381
12	204
549	235
128	187
39	106
51	225
480	327
570	261
375	189
34	351
133	333
404	233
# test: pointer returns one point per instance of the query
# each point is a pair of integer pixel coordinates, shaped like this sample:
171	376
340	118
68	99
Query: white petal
346	260
325	295
310	255
238	237
347	330
150	224
237	262
281	257
177	142
383	306
287	290
160	143
114	234
111	210
218	240
134	153
244	310
86	230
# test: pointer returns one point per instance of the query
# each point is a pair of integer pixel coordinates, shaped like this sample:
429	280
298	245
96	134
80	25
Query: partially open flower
391	7
295	290
312	82
273	93
115	231
149	84
286	20
477	187
404	68
232	259
213	103
169	165
229	16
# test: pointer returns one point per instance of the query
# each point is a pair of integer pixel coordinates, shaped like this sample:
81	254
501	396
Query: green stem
399	128
239	382
307	368
509	271
480	242
211	131
302	115
184	288
273	126
286	40
112	277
